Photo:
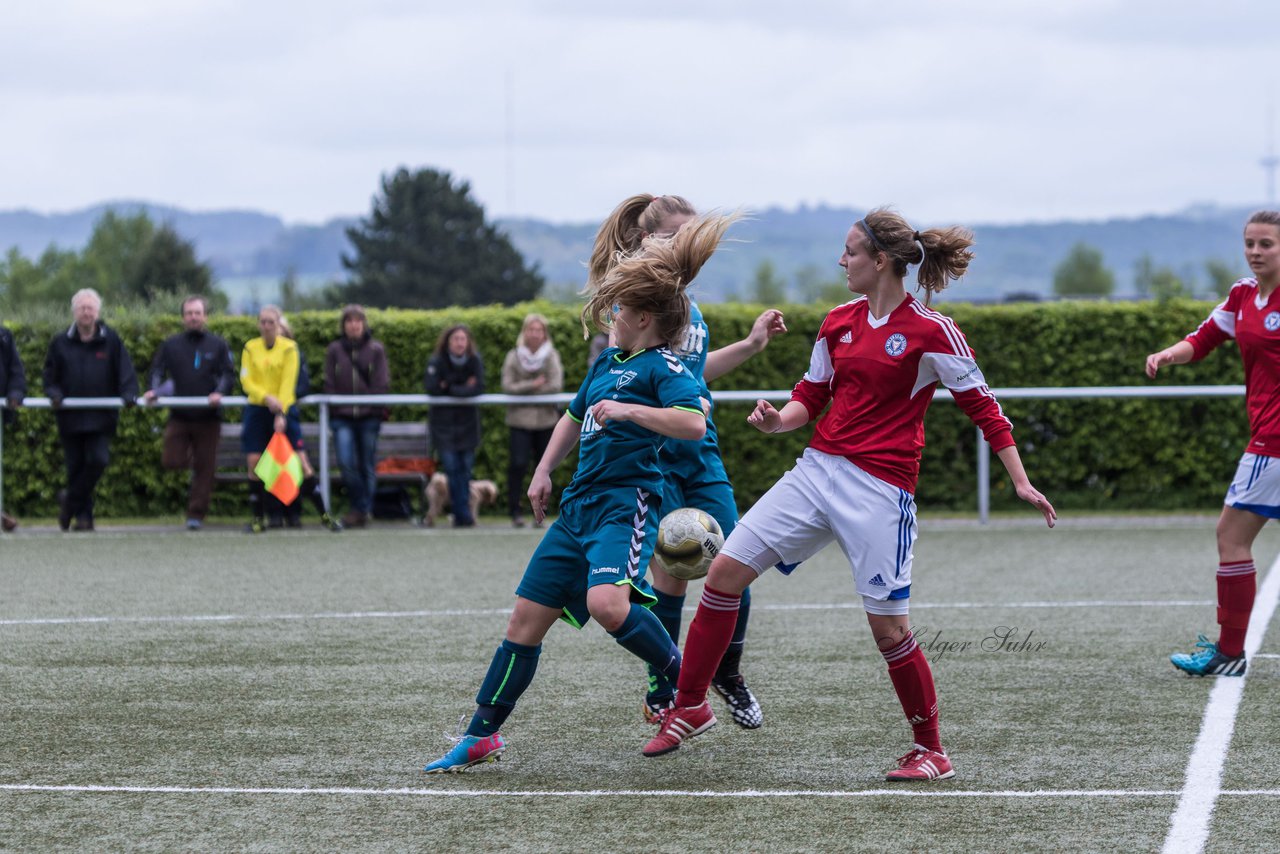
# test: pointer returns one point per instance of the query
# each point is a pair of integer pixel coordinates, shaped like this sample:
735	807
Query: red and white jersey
879	376
1256	327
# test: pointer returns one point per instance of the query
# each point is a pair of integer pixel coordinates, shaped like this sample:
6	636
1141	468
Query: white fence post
324	453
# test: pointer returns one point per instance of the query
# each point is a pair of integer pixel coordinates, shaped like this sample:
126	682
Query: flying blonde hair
654	278
625	228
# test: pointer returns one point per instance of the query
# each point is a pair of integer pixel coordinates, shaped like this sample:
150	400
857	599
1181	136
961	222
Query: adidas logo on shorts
877	581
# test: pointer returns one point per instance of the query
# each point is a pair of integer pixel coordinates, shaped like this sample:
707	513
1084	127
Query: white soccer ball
688	540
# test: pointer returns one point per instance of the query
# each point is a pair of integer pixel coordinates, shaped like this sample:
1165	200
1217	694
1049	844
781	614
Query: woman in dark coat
455	370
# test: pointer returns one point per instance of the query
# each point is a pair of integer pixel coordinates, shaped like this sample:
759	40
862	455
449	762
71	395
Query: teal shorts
606	537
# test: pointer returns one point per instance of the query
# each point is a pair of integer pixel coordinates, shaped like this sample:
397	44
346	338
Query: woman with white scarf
531	367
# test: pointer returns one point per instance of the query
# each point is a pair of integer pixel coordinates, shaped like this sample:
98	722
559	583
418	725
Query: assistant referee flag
280	469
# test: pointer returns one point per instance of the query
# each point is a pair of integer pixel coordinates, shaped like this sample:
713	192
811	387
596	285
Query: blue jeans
356	444
457	467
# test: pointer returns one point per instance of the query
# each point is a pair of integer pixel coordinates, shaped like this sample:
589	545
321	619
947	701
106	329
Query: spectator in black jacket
193	363
13	388
88	360
455	370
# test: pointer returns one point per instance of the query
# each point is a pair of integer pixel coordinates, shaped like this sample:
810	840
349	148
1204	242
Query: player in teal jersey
591	563
694	474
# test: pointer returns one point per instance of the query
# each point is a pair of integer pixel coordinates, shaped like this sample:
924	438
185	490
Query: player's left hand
1032	496
766	326
610	410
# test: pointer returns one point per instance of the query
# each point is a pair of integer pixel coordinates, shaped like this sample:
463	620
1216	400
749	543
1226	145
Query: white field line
1189	826
502	612
613	793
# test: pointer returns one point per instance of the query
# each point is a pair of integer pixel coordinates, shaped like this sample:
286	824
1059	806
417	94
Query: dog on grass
484	493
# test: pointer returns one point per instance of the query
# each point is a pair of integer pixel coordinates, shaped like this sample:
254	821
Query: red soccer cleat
921	764
678	724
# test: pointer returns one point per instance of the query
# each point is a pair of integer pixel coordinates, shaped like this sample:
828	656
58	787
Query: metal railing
324	401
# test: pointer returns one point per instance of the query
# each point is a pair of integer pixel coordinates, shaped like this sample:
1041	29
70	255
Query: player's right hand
539	495
764	417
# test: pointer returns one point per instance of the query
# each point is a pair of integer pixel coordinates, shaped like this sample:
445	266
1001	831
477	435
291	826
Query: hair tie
872	236
921	242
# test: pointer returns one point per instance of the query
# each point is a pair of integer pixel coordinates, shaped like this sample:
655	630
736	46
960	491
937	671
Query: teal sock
669	610
642	635
509	675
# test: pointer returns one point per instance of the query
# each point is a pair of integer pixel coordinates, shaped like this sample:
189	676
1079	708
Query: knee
730	576
609	606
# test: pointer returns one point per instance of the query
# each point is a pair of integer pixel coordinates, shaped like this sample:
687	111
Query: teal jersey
623	453
695	459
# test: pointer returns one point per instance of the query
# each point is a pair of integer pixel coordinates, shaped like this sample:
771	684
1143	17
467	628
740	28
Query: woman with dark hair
356	363
876	362
455	370
1251	315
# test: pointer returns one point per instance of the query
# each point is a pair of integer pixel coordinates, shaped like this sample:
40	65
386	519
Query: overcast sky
989	111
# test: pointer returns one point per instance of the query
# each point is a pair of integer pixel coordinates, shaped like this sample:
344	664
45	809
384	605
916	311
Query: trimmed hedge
1084	454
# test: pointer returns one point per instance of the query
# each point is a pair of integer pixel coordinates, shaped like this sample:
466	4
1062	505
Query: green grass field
217	691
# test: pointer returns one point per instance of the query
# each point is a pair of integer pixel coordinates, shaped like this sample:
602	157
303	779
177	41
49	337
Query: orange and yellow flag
280	469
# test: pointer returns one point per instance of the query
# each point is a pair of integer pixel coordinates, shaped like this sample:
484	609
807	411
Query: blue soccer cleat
1208	661
469	750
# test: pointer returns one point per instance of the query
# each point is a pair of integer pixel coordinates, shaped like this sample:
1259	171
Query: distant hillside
252	251
1010	259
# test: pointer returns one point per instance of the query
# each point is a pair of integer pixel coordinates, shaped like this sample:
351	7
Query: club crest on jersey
624	378
896	345
1272	321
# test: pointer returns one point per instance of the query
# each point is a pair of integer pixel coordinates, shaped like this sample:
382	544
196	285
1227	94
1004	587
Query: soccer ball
688	540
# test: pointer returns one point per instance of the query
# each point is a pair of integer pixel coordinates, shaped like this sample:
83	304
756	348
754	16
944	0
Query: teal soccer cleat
1208	661
469	750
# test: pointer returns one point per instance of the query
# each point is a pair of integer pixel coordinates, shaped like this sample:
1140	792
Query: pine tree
426	245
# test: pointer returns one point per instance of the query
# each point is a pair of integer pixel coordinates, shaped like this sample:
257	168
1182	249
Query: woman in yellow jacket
269	376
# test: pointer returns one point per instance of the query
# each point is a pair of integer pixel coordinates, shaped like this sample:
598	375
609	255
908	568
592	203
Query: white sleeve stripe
948	326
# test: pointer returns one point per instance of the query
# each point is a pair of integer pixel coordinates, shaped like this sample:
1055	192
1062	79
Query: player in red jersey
1251	315
877	361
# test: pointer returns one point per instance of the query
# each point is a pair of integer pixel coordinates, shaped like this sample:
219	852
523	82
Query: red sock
1237	586
913	680
704	646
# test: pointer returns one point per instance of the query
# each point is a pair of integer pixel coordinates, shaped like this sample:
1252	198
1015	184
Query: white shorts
1256	486
824	498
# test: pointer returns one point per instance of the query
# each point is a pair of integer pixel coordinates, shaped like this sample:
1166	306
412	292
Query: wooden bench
405	439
